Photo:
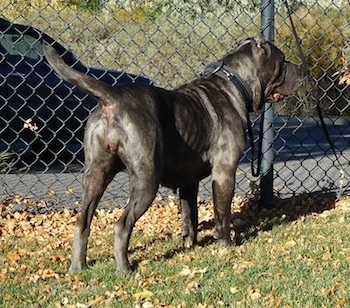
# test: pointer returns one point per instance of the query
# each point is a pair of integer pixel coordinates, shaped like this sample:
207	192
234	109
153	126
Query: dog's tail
90	85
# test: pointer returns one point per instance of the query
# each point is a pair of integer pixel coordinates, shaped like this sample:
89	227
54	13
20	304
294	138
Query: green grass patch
299	260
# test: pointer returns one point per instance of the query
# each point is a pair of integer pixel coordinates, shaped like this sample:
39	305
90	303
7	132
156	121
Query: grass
296	255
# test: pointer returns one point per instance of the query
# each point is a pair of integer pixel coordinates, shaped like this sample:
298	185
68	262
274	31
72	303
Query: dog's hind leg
189	214
97	176
143	185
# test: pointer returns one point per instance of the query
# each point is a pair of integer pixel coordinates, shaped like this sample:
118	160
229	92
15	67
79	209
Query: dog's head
264	67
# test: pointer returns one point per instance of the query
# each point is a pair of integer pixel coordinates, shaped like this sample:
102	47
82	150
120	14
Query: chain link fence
169	42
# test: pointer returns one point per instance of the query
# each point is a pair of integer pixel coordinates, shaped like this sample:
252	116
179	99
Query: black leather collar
225	72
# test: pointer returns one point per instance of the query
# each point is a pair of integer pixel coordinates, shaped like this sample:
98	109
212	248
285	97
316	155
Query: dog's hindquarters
144	178
100	168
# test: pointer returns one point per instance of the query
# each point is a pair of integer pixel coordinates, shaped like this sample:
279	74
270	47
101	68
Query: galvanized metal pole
266	181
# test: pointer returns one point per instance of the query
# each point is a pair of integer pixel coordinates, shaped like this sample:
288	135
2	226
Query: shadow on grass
248	219
251	218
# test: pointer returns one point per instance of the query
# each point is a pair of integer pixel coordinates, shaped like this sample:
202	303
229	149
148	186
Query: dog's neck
227	73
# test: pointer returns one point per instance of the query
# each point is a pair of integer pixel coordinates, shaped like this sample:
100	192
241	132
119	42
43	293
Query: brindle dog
174	138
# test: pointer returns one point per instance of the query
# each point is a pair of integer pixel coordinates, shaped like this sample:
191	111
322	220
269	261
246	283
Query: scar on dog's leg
96	179
143	187
189	214
223	189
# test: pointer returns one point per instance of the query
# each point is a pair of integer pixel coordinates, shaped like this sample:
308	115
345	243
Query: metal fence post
266	182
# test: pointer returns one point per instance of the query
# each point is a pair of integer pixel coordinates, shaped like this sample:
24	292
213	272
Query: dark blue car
42	117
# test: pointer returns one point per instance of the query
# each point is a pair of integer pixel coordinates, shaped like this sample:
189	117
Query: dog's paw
222	239
226	242
123	268
188	242
75	269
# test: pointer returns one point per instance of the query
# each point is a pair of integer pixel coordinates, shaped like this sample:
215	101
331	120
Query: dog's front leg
223	189
189	214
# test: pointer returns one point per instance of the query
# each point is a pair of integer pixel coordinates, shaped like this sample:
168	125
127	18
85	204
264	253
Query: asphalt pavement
304	163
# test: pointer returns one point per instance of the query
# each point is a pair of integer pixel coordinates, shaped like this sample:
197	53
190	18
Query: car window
22	45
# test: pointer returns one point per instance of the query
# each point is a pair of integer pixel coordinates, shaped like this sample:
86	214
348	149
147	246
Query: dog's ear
261	45
259	41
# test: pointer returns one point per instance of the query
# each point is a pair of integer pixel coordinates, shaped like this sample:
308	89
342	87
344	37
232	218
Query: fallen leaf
192	287
341	301
234	290
64	301
254	293
70	191
147	305
12	257
50	192
327	291
143	294
290	243
187	271
7	297
80	305
97	301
